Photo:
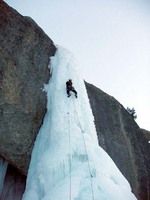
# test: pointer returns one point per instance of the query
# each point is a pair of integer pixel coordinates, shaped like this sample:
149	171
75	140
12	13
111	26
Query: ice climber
69	88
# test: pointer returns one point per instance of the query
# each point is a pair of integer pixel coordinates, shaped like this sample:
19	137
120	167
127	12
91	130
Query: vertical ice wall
67	162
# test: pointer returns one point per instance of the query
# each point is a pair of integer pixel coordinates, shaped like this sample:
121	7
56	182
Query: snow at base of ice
67	163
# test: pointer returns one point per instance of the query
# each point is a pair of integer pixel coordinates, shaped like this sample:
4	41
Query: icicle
3	169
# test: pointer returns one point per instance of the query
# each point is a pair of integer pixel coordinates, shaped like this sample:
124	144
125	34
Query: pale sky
110	40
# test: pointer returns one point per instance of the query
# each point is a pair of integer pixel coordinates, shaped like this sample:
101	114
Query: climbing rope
69	121
78	117
83	138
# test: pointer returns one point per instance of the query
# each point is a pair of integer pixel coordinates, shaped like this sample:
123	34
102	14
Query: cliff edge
24	56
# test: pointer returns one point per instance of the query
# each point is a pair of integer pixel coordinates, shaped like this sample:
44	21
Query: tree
132	112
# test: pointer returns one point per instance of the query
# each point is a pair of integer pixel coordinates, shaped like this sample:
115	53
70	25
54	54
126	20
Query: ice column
3	168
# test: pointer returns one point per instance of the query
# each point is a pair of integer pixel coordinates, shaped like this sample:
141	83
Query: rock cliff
146	134
122	139
24	56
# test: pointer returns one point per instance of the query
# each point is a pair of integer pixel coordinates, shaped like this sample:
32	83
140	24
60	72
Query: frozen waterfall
3	169
67	162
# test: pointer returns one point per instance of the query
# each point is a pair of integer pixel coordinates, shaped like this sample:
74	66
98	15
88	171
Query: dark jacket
69	85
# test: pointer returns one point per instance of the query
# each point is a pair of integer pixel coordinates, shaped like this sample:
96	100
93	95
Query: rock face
24	56
146	134
122	139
